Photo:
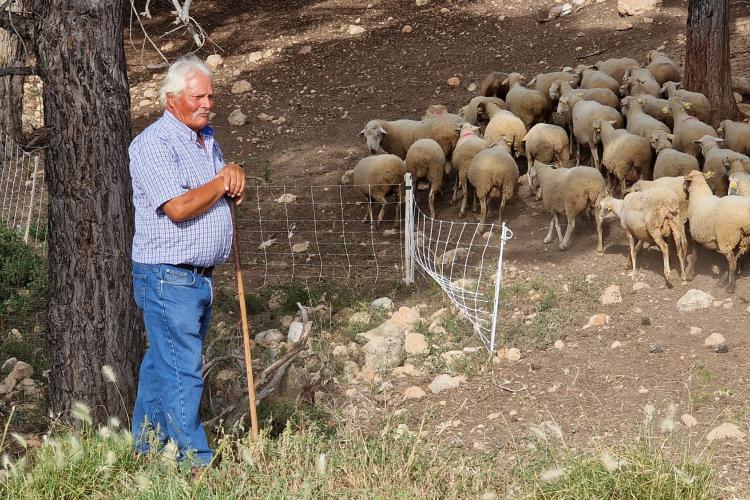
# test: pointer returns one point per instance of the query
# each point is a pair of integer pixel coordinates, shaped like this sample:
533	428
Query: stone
255	56
615	344
359	318
225	379
694	299
450	357
407	29
694	330
300	247
451	257
436	327
415	344
445	382
8	365
406	371
385	329
611	296
636	7
286	198
214	61
405	317
237	118
597	320
355	30
414	392
725	431
347	177
559	344
295	331
264	117
639	285
21	370
340	351
269	339
514	354
30	389
688	420
382	303
422	3
489	495
713	340
367	374
454	81
384	350
150	93
241	87
305	49
472	87
286	321
465	284
439	314
351	370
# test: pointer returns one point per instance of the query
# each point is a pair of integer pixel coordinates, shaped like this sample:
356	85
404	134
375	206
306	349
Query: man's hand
234	181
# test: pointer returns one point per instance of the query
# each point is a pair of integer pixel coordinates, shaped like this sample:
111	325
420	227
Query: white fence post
31	202
505	234
409	231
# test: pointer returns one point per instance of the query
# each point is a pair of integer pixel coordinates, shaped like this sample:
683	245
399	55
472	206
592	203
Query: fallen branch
17	71
594	53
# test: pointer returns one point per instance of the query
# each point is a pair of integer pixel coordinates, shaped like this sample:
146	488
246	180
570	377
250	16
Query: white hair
178	73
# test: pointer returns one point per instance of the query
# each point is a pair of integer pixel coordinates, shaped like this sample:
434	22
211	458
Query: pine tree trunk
92	317
707	62
11	87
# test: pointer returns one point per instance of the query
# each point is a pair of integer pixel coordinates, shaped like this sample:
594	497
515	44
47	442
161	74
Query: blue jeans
176	307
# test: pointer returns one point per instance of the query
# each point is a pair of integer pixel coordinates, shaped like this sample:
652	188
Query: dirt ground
595	392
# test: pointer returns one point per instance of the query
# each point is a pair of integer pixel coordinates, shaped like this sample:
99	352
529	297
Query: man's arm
230	181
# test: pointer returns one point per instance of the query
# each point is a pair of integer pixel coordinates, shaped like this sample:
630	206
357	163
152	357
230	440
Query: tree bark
707	62
11	87
92	319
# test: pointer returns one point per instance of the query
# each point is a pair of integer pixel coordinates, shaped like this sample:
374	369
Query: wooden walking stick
243	316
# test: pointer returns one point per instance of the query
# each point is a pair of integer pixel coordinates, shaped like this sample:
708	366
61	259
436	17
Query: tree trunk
92	318
707	63
11	87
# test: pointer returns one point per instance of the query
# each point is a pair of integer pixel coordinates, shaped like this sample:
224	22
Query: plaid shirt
166	161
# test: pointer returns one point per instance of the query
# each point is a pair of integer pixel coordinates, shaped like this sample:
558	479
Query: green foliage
23	282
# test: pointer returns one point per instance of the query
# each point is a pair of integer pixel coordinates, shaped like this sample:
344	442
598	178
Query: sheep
529	105
440	111
469	144
494	174
687	128
615	67
592	79
721	224
543	82
626	156
638	122
639	81
473	112
675	184
494	85
507	125
583	113
655	108
548	144
739	184
376	176
649	216
670	162
663	68
716	159
699	105
425	159
396	136
736	135
602	96
568	191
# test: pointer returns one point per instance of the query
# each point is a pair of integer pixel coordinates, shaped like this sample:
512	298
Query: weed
262	167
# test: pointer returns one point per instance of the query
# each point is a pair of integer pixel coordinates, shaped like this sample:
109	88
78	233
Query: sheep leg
474	204
557	227
381	214
465	195
732	271
548	238
401	201
680	243
432	200
665	254
578	154
368	215
483	214
595	155
568	232
599	238
500	212
622	186
692	258
455	191
633	251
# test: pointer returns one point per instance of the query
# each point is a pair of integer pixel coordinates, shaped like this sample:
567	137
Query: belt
202	271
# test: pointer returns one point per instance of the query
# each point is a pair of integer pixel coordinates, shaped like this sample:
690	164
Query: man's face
193	105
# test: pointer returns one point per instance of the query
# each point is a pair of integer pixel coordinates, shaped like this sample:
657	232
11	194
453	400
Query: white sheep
650	216
616	67
473	112
568	191
425	159
670	162
739	184
494	174
699	105
687	128
736	135
663	68
674	184
583	113
469	144
656	108
717	159
494	85
639	81
600	95
504	125
529	105
638	122
589	78
376	177
721	224
625	157
397	136
547	144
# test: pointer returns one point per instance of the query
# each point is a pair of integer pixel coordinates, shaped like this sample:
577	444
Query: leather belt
202	271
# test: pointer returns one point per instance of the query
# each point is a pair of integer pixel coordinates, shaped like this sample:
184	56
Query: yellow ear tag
708	174
665	109
687	105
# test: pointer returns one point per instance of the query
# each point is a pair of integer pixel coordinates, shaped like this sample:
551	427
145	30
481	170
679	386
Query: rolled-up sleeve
155	166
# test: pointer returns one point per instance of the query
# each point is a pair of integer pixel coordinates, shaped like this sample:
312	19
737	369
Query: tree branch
21	25
17	71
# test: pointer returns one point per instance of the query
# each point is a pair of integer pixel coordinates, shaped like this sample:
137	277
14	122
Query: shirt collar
184	130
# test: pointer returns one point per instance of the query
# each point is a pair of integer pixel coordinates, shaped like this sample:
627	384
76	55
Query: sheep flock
658	165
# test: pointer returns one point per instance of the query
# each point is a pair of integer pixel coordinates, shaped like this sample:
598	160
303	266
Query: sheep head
607	209
563	105
514	79
708	142
596	127
373	132
661	140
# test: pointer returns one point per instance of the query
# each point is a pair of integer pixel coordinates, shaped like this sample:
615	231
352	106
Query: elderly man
183	228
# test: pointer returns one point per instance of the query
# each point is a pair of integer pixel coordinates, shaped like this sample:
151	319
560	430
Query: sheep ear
505	82
533	81
678	85
361	132
670	137
697	141
719	140
382	130
612	122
